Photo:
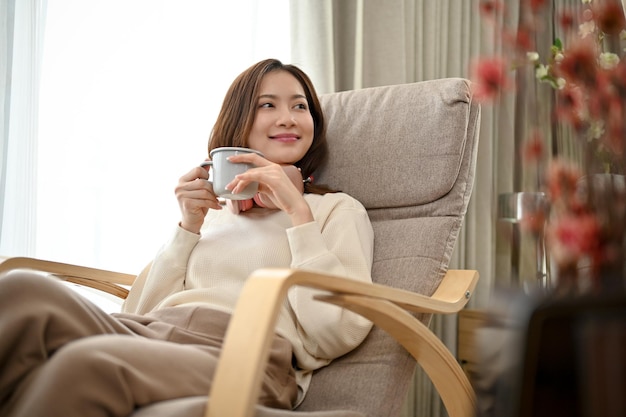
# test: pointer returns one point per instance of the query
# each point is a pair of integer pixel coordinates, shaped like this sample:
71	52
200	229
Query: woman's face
283	125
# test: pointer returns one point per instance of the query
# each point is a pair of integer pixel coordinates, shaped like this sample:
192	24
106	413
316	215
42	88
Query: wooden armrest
237	382
99	279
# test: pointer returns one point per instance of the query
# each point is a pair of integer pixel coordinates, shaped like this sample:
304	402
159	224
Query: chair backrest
408	153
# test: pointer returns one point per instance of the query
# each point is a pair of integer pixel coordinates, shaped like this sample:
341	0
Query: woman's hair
236	117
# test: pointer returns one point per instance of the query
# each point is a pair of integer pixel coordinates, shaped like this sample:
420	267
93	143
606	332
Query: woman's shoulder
334	200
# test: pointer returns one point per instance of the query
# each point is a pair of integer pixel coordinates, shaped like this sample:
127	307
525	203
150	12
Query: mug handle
207	164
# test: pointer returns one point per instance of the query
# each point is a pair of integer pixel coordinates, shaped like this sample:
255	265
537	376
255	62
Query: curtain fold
7	17
22	43
371	43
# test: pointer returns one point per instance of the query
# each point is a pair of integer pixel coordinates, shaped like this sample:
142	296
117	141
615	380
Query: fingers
195	197
240	182
195	173
278	185
250	158
194	185
195	204
270	176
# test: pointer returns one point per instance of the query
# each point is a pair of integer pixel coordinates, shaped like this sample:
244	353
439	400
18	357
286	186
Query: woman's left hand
274	185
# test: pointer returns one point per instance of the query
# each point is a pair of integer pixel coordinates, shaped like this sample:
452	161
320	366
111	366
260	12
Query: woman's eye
266	105
301	106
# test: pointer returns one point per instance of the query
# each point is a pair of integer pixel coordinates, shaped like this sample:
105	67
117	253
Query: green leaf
558	44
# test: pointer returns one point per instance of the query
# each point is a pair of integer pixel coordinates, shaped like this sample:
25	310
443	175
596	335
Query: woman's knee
37	298
20	286
75	358
86	360
79	378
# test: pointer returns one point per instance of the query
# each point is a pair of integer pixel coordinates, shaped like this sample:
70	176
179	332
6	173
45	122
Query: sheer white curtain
21	41
129	93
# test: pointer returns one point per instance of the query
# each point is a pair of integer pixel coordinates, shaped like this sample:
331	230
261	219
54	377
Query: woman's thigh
110	375
38	315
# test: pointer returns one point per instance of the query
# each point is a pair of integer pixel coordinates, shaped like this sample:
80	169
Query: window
129	93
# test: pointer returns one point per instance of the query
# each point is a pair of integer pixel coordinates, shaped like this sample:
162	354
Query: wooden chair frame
246	348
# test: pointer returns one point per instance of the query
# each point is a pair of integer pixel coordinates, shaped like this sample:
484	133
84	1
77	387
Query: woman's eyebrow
274	96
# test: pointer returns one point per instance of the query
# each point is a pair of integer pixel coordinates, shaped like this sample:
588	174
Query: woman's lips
285	137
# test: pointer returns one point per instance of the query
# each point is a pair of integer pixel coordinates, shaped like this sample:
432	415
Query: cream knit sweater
211	269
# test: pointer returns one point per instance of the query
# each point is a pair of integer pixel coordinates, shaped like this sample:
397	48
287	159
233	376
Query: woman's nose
286	118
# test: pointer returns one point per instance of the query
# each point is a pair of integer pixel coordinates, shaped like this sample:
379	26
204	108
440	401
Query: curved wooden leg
432	355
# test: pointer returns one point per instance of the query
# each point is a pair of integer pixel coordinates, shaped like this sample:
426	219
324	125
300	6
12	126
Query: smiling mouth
285	138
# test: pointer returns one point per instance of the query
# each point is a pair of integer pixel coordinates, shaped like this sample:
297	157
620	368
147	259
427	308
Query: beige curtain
351	44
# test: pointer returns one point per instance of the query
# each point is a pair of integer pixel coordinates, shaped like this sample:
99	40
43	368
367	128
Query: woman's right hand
195	198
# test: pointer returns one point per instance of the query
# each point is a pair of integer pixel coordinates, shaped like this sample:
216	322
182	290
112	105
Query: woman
62	356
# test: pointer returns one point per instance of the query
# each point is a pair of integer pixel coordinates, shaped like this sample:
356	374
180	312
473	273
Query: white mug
224	171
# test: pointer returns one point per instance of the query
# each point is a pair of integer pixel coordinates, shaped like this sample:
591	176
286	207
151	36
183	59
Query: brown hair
236	117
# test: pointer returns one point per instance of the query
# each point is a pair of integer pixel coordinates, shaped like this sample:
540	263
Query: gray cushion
398	143
408	153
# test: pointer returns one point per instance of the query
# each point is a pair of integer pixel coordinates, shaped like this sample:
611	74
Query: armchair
408	153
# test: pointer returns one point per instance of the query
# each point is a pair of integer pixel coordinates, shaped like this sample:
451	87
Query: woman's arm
341	244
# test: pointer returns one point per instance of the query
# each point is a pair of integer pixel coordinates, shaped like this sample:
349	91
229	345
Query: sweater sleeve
166	275
339	242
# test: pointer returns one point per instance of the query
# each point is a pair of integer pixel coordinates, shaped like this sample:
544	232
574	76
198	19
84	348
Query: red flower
533	147
520	40
579	64
490	8
562	182
587	217
610	17
616	127
573	236
617	79
536	5
490	78
598	98
524	40
570	106
566	20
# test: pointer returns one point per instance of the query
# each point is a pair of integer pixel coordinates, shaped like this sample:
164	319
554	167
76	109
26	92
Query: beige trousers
60	355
